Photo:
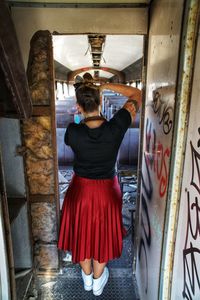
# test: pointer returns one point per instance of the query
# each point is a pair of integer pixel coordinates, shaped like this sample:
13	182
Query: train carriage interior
153	45
130	67
65	101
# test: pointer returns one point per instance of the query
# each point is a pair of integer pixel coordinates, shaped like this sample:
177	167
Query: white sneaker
87	280
99	283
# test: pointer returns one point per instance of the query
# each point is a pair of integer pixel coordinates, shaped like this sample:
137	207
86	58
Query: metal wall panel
163	51
21	244
186	272
10	139
4	272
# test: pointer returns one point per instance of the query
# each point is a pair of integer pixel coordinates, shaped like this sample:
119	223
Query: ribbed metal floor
68	285
120	286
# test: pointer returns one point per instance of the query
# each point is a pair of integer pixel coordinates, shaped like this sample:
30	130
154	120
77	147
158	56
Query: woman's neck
93	123
91	114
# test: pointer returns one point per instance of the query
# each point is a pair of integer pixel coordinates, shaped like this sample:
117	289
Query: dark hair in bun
88	97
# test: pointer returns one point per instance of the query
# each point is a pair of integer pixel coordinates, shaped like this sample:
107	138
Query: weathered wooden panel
39	134
44	198
38	69
164	36
39	155
46	256
44	227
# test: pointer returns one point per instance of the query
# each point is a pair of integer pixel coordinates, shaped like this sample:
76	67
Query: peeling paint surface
44	227
45	256
39	141
39	156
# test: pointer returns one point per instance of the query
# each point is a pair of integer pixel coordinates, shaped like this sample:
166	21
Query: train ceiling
101	55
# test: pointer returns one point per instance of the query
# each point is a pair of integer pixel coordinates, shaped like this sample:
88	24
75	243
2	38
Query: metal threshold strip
76	5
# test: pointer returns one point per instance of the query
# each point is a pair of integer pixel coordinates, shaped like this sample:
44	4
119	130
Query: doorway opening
108	58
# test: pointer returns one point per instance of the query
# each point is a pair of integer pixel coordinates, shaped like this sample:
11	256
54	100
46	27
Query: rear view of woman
91	220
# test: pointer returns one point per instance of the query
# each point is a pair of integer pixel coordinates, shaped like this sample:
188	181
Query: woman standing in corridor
91	221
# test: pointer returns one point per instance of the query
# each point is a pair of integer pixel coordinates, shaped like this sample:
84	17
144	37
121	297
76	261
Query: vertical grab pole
139	170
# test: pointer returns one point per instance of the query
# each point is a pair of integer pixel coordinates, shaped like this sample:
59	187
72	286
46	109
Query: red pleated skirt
91	220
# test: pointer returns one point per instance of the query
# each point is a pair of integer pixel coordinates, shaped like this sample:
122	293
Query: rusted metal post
139	171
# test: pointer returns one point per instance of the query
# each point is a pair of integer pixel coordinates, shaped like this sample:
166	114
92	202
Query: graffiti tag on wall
191	251
164	112
154	171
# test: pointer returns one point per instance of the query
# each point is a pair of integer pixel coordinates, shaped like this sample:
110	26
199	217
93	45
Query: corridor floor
121	284
68	284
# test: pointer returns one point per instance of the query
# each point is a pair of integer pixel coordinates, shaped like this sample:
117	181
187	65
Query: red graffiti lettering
156	158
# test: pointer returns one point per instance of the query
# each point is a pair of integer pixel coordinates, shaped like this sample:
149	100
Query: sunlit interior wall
163	54
76	20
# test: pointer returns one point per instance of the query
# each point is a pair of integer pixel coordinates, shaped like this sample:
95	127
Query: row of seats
128	152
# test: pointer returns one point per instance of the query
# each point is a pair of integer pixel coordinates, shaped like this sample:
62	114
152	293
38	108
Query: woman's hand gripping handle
134	96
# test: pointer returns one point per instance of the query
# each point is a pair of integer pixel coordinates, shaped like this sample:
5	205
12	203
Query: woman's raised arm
134	96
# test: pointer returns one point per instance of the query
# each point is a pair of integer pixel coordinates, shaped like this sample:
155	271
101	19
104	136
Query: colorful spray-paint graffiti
155	169
155	158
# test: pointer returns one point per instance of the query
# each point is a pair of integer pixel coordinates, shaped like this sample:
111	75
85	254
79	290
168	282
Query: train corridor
45	48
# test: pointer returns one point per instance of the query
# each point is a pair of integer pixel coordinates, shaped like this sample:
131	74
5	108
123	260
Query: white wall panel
164	37
186	272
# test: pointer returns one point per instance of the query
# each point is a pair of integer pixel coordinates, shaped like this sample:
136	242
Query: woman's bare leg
86	266
98	268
